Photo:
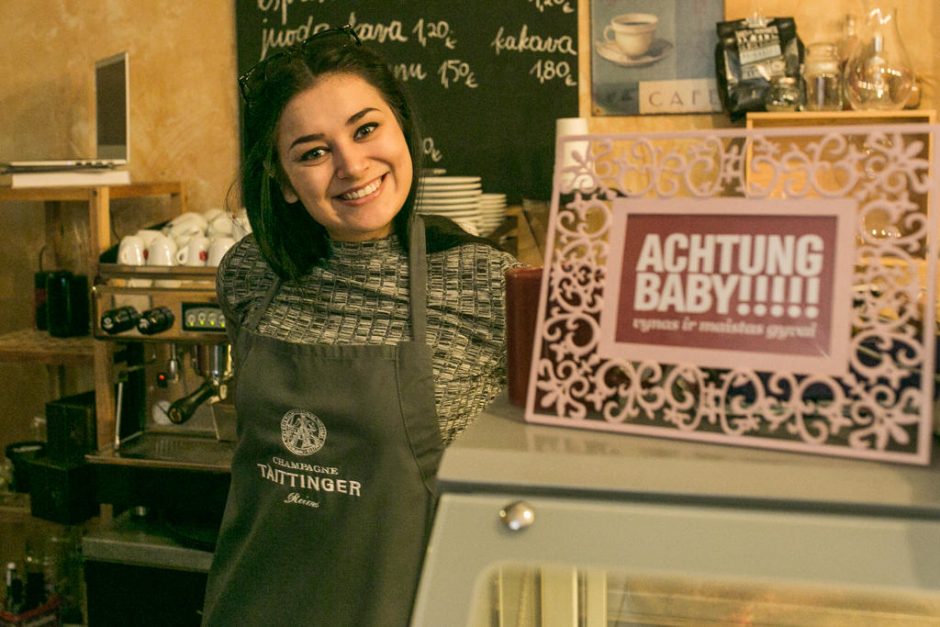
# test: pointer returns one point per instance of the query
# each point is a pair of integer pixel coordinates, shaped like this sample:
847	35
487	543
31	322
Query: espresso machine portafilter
213	363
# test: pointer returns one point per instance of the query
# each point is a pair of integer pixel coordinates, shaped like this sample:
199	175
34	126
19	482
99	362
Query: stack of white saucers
455	197
492	212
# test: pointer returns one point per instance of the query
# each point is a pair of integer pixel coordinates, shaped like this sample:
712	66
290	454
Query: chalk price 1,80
548	70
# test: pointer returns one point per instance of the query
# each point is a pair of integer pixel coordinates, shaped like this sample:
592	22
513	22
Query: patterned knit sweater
360	296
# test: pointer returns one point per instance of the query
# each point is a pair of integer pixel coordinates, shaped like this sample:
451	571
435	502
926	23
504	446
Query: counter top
500	452
140	542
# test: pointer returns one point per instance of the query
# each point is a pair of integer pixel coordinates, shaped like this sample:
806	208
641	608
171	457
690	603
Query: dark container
62	492
19	453
70	427
522	306
67	304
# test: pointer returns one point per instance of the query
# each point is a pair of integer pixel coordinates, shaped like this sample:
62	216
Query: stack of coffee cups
190	239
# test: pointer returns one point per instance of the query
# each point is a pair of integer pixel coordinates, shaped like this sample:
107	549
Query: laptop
112	116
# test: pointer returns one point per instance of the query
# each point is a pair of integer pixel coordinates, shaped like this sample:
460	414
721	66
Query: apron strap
418	271
255	318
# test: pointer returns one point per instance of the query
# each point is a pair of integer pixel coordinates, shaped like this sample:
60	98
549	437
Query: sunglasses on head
252	82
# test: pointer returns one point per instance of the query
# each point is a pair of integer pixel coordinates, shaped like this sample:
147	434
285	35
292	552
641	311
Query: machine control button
118	320
155	321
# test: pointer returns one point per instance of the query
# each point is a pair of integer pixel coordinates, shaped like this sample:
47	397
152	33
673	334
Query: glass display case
551	526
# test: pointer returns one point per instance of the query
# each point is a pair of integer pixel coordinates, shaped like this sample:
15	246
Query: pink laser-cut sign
740	282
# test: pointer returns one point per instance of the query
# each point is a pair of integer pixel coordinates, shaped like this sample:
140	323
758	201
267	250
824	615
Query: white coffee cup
189	217
131	251
217	250
147	235
211	214
242	226
195	252
574	153
221	226
632	32
161	251
184	231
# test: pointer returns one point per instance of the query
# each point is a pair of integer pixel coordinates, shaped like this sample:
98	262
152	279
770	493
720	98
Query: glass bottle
822	80
879	75
783	95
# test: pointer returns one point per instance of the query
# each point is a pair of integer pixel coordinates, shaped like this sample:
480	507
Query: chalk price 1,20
425	30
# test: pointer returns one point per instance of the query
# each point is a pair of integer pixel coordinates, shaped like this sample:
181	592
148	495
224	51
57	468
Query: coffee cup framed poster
654	56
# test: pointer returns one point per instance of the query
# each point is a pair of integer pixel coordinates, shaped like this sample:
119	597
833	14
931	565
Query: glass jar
879	76
822	82
783	95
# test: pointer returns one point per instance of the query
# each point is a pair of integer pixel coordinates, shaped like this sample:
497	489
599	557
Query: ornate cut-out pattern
881	409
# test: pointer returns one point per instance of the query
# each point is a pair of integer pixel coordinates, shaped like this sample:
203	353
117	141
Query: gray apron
333	478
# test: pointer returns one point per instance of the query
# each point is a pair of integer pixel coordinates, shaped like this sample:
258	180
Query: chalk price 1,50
457	72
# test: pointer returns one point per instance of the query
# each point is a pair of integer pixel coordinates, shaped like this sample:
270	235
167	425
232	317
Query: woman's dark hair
289	239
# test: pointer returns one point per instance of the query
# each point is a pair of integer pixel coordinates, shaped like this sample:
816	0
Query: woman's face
345	157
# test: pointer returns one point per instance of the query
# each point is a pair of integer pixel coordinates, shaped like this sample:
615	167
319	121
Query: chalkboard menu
489	79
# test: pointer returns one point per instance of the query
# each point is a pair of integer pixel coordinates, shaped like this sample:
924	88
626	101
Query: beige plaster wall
184	116
183	123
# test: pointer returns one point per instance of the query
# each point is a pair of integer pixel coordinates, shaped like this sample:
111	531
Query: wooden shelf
838	118
39	346
14	508
132	190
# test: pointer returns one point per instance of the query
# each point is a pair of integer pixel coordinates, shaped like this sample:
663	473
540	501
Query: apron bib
333	478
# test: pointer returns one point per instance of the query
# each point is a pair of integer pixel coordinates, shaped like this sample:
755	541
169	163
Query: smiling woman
364	340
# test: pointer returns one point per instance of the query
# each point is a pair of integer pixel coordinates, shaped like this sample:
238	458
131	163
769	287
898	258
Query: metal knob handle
517	516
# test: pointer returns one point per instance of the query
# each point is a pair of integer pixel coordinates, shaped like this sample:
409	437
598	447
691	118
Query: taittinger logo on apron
302	432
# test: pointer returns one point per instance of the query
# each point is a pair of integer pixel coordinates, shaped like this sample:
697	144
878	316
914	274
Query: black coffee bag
750	54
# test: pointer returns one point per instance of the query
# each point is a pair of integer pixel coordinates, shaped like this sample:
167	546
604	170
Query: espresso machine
174	422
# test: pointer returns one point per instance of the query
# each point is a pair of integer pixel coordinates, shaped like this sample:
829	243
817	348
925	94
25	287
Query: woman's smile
364	193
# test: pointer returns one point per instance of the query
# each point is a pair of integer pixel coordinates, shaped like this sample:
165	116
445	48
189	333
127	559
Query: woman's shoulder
243	276
471	268
446	240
